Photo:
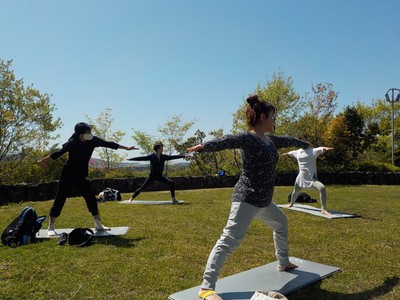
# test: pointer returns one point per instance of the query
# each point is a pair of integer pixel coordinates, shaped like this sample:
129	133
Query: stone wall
46	191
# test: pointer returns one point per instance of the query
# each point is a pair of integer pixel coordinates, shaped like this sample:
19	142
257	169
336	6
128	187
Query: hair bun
253	99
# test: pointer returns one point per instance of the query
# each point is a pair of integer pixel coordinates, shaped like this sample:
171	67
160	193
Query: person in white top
307	177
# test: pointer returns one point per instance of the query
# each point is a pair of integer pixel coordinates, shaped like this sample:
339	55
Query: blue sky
149	60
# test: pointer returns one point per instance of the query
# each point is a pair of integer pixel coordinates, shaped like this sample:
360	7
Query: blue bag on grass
23	229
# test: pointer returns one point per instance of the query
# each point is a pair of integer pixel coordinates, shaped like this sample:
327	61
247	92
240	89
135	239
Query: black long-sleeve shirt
79	154
156	164
257	180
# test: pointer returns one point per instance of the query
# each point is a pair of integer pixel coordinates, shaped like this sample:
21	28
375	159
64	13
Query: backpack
109	194
23	229
302	198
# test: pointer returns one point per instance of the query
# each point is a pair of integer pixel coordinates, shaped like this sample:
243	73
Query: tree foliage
209	163
377	117
356	129
360	134
172	133
278	91
144	141
317	112
102	127
338	137
26	123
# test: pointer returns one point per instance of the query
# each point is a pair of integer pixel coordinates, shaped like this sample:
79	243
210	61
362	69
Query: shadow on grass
369	218
307	293
118	241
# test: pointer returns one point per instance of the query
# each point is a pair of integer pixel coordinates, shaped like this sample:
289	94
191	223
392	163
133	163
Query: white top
307	161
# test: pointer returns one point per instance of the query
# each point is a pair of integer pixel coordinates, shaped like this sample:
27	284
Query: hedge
46	191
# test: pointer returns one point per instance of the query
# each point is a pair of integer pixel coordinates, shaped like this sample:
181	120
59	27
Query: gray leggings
316	185
240	218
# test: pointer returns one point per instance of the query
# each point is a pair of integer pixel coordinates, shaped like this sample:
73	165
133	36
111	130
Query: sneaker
51	232
63	238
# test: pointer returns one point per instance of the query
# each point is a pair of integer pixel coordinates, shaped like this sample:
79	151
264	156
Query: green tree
317	111
144	141
200	164
337	136
377	118
278	91
228	160
26	124
356	127
172	133
209	163
102	127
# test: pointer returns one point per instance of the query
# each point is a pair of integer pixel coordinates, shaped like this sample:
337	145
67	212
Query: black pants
152	178
67	180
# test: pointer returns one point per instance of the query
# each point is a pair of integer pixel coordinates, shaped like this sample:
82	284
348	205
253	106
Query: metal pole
392	101
393	127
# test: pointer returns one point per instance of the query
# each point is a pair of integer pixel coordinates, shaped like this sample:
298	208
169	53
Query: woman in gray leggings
307	177
252	195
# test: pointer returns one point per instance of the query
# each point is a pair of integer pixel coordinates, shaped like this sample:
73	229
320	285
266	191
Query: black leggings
64	188
150	179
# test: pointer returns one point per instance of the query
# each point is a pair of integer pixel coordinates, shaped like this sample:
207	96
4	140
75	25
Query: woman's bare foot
290	266
325	212
290	205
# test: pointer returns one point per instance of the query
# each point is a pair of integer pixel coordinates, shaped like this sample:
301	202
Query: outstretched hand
132	148
43	163
196	148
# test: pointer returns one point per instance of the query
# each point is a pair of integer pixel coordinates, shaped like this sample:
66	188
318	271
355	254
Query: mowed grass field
166	248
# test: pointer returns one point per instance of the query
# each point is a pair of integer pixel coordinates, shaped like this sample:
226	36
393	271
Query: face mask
87	136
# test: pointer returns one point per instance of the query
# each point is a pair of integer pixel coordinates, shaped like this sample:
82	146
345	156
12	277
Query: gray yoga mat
150	202
42	234
316	211
243	285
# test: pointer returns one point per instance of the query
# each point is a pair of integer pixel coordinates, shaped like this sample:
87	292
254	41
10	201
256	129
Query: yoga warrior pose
80	147
252	195
157	160
307	177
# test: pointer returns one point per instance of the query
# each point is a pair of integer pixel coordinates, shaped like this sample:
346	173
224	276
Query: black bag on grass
80	237
109	194
302	198
23	229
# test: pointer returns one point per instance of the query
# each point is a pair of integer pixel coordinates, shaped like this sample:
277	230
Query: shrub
369	166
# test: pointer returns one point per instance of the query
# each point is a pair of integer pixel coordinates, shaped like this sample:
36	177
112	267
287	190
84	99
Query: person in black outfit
157	160
80	147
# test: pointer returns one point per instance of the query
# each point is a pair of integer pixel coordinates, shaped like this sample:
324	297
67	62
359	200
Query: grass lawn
167	246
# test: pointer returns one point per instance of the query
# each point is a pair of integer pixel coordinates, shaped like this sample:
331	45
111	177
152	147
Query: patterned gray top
256	182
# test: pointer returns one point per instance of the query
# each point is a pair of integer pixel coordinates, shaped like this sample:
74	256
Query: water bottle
25	239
